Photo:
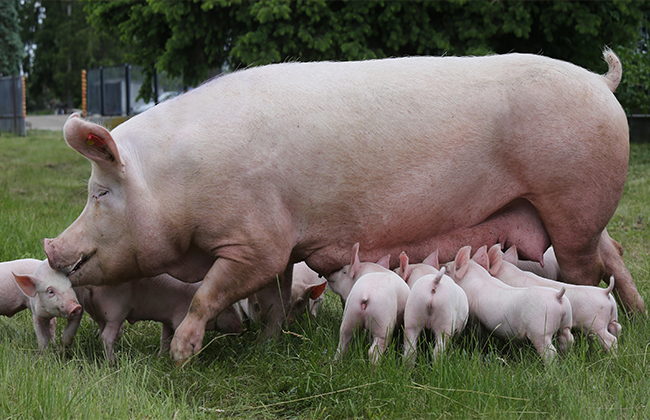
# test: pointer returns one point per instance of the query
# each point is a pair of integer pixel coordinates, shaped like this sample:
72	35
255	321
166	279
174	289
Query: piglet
375	301
435	302
306	294
30	283
594	309
163	299
549	269
306	290
536	313
342	280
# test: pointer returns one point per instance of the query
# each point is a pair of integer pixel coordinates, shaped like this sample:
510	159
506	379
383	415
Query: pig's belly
517	223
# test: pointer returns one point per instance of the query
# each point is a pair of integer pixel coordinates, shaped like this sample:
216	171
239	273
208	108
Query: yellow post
83	93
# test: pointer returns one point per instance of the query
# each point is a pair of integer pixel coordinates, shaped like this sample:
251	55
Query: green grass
42	191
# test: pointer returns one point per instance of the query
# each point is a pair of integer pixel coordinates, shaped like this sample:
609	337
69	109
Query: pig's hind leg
110	334
611	254
545	347
381	326
412	330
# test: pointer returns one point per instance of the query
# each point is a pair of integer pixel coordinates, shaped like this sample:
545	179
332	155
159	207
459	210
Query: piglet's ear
404	266
432	260
461	263
355	263
481	257
511	255
26	284
93	141
385	262
495	258
317	290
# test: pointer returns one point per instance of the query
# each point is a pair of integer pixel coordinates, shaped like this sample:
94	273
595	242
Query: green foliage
10	44
190	38
634	90
62	43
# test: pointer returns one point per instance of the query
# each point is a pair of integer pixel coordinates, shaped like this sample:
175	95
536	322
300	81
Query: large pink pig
236	180
30	283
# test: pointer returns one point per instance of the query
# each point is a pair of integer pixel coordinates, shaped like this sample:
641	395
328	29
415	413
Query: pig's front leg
165	338
227	282
71	330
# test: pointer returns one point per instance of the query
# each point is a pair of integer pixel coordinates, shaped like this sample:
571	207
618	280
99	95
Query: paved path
46	122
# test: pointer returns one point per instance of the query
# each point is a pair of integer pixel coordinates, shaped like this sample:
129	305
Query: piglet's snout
75	311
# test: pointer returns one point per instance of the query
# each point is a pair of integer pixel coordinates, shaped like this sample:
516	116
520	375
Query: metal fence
112	90
12	104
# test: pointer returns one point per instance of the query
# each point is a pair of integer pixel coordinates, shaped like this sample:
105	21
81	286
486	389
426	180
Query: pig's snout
49	247
75	311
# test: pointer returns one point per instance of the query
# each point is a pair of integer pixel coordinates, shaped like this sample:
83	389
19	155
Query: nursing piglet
550	269
162	299
594	309
435	302
30	283
536	313
342	280
306	290
375	301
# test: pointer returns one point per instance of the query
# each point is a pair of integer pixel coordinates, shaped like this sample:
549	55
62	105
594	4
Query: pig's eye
50	291
100	194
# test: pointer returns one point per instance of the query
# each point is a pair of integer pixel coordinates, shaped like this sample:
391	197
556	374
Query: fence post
127	80
13	101
84	101
101	89
155	85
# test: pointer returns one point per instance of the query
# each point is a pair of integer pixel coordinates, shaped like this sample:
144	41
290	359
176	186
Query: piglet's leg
42	328
545	348
412	330
275	303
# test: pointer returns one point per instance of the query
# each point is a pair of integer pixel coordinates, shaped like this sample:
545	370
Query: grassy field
43	190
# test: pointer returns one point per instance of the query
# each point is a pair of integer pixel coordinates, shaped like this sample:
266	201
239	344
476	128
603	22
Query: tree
61	43
190	38
11	47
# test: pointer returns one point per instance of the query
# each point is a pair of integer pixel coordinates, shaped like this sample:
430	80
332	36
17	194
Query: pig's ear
93	141
511	255
404	266
481	257
385	262
26	284
461	263
317	290
494	258
432	260
355	263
